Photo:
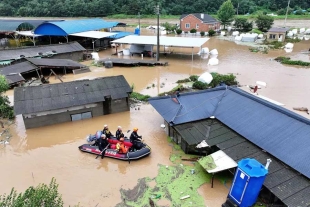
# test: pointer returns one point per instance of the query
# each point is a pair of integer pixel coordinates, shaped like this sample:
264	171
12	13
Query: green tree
264	22
226	13
42	195
243	24
6	111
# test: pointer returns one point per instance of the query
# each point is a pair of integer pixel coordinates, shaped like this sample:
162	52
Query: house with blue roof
244	126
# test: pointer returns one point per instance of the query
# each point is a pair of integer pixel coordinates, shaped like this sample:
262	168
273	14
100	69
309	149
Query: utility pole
238	9
157	12
288	6
139	24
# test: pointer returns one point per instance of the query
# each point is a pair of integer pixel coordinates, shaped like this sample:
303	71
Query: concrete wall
193	21
51	119
76	56
119	105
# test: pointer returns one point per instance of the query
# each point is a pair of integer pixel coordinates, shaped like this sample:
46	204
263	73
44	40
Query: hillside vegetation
102	8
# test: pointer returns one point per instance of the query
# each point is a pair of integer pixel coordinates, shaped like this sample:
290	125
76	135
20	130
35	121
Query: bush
281	12
227	79
288	61
193	31
186	80
211	32
6	111
200	85
139	96
179	31
42	195
202	33
193	78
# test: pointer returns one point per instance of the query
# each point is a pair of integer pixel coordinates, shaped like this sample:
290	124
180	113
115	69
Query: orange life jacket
121	148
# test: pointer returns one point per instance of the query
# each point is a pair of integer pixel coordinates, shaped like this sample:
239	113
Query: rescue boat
111	151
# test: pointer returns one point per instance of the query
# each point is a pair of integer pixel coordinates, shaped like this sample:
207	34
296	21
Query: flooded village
42	143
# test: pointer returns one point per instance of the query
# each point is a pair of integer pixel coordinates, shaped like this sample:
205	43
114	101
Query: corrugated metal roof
18	68
120	34
54	62
34	99
14	78
271	127
68	27
12	54
12	25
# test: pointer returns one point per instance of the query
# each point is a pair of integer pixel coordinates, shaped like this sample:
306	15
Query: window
272	36
197	26
76	117
187	25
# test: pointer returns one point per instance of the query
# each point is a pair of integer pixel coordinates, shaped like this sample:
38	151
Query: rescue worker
103	145
135	139
107	132
120	146
119	133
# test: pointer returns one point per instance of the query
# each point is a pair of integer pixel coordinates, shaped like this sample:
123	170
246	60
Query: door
239	186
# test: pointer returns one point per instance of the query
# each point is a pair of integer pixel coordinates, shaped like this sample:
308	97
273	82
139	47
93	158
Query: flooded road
36	155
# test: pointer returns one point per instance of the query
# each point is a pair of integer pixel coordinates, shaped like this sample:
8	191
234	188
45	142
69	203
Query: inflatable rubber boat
143	151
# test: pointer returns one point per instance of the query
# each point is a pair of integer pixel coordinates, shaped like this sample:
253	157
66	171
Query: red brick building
200	22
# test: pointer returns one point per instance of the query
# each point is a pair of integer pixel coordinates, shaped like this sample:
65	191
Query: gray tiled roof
34	99
13	54
280	30
287	184
206	18
269	126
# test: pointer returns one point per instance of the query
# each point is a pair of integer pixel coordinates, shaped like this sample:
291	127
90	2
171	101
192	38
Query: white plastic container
205	78
213	61
126	52
214	52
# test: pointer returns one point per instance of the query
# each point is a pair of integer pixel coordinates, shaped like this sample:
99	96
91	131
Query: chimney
268	163
202	16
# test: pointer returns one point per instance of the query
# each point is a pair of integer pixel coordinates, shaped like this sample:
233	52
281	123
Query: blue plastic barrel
249	178
137	31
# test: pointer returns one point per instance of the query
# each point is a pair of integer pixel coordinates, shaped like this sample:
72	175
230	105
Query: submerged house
71	101
242	125
198	21
277	34
38	67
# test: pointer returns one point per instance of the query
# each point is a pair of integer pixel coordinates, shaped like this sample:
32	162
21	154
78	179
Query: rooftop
203	17
46	50
269	126
41	98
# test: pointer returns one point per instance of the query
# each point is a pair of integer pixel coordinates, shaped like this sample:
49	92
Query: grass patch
139	96
288	61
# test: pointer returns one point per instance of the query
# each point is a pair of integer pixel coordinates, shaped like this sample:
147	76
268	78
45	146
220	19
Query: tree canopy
6	111
264	22
101	8
226	13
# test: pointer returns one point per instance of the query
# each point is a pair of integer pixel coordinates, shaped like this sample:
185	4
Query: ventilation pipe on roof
268	163
202	16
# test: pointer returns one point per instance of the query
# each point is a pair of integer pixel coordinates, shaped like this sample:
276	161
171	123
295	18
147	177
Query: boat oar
128	158
103	151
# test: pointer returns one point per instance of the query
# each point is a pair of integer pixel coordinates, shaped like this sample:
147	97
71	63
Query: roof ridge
273	106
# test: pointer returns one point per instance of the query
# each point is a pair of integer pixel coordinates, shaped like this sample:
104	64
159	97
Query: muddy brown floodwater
36	155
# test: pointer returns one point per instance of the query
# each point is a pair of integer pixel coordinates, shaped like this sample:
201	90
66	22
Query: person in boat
107	132
135	139
119	133
120	146
102	144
